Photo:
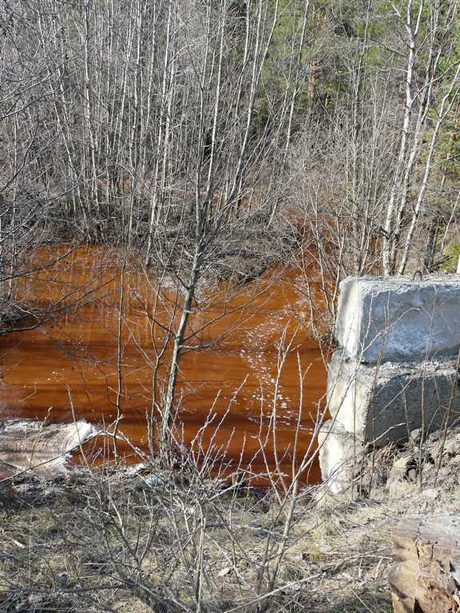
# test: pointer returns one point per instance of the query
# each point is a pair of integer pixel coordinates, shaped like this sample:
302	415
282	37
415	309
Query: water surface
234	374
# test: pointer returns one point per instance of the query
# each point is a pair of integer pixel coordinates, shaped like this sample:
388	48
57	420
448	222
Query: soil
141	538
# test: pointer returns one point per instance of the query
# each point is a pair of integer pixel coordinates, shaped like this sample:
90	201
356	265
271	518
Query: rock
62	579
399	319
403	468
425	576
432	493
415	437
339	453
448	447
35	600
384	403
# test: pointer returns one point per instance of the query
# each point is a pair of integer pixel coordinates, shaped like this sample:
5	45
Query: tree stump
425	576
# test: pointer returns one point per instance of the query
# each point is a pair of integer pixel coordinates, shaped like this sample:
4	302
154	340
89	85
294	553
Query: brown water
67	368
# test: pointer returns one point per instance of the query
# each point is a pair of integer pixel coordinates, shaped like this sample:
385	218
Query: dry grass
131	541
187	544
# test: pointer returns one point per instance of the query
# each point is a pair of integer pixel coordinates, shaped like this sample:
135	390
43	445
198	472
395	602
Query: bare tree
431	76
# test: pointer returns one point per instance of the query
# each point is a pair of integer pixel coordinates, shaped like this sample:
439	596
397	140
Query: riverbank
138	539
142	542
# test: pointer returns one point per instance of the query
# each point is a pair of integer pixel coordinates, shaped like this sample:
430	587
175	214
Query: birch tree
430	36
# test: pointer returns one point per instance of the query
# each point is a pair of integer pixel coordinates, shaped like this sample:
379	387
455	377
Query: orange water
232	374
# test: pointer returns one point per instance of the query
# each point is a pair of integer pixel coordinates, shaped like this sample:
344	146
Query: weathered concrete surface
31	445
339	451
384	403
399	319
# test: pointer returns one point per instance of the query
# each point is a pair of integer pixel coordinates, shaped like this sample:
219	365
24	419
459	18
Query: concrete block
384	403
339	454
399	319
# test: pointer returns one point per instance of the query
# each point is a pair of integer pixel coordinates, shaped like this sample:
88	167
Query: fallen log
425	576
40	448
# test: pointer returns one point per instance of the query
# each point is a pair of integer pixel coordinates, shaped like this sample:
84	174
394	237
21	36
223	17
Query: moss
452	254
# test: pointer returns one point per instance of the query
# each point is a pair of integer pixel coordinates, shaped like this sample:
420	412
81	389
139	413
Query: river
234	376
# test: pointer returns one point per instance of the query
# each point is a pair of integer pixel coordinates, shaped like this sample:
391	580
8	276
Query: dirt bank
145	539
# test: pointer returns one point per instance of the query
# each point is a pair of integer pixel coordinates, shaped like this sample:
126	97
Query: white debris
41	447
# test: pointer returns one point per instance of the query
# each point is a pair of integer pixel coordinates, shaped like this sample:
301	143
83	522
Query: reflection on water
232	373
